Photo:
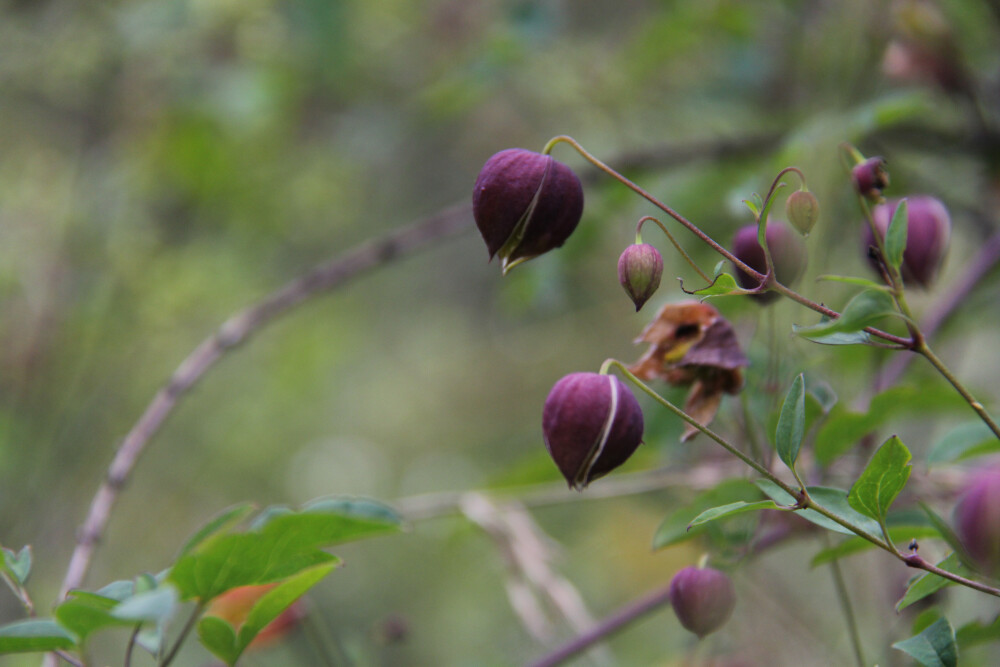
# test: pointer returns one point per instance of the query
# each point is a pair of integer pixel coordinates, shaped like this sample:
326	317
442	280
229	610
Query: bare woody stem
606	627
232	333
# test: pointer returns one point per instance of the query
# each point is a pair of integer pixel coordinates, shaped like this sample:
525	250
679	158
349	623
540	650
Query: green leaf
281	544
17	565
224	521
856	338
792	422
929	583
729	510
895	238
852	280
853	545
155	606
833	500
674	529
863	310
85	614
934	647
974	633
35	635
881	480
219	638
723	285
962	442
277	600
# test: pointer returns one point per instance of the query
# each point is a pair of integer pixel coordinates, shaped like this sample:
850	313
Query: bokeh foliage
164	163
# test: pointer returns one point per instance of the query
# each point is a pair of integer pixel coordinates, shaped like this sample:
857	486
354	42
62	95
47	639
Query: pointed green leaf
729	510
155	606
723	285
882	480
934	647
277	600
224	521
281	544
863	310
35	635
676	527
929	583
85	614
218	637
855	338
792	423
834	500
895	238
17	565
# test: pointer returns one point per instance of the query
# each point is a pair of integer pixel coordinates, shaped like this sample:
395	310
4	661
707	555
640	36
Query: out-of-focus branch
232	333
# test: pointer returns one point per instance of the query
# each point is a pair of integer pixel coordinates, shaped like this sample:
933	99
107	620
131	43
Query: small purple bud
787	250
591	424
802	209
870	178
702	598
639	271
977	520
525	204
928	229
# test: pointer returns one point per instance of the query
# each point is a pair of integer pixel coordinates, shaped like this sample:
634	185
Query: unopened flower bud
787	251
977	520
928	230
802	209
525	204
640	268
870	178
591	424
702	598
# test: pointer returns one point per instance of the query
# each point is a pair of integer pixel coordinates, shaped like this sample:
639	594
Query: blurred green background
165	163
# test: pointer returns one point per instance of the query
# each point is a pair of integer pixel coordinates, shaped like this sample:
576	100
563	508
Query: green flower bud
802	209
640	268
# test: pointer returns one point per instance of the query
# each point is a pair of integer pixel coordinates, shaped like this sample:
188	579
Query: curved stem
185	631
638	230
606	627
654	201
795	493
235	331
756	275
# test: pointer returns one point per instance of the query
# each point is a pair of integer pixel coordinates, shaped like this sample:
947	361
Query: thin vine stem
185	631
803	499
925	350
846	607
687	257
795	296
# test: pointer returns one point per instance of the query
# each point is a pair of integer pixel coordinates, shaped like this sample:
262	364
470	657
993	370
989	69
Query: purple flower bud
977	520
870	178
702	598
525	204
787	250
802	209
928	229
592	424
639	270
